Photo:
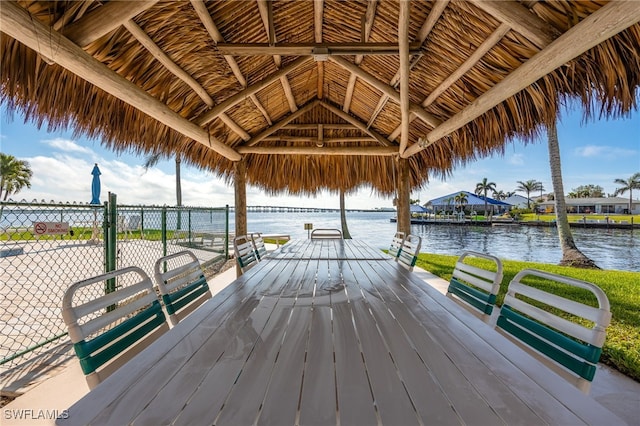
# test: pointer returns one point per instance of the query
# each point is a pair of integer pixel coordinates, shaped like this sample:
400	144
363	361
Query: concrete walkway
41	404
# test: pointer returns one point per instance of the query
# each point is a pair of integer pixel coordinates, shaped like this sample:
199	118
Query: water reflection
611	249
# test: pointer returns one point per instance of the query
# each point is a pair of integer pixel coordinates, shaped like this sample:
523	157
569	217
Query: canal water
609	248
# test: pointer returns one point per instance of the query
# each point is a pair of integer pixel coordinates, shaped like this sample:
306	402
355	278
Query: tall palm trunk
571	256
343	217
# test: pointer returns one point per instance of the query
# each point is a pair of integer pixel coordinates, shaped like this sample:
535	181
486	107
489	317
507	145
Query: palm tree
499	195
461	200
14	175
482	188
343	217
571	255
628	185
152	161
528	187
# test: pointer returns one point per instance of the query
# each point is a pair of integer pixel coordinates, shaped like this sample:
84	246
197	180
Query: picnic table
334	332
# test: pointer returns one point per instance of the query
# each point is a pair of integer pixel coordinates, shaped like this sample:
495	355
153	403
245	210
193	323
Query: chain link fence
44	248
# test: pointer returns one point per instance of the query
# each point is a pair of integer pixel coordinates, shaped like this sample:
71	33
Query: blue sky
596	152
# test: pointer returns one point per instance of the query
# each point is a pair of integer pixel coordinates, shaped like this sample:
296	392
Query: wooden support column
240	190
403	42
402	204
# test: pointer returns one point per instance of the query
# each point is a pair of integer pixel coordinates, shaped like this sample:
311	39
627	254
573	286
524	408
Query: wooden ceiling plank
314	150
281	123
385	89
216	36
601	25
360	125
250	90
403	42
17	23
521	20
103	20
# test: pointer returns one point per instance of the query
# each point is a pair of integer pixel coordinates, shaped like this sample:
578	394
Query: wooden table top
328	249
332	340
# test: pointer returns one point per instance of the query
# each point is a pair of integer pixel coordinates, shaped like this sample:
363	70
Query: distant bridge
283	209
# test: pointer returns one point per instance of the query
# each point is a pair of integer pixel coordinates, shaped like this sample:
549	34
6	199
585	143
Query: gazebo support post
404	213
240	189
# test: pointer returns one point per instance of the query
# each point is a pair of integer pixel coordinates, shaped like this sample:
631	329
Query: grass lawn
622	347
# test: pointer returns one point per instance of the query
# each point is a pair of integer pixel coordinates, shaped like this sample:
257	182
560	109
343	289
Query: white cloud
516	160
67	145
603	151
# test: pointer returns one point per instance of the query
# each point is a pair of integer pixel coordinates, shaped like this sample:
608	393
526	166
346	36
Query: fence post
110	244
164	230
189	217
105	234
226	231
142	223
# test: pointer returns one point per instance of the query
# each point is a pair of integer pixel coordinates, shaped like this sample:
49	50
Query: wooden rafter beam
385	89
216	36
318	17
521	20
433	17
250	90
103	20
19	24
318	13
326	127
601	25
312	49
265	8
369	16
325	150
360	125
176	70
314	139
471	61
281	123
235	127
155	51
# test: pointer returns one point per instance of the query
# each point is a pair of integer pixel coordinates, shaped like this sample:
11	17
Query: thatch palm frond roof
310	94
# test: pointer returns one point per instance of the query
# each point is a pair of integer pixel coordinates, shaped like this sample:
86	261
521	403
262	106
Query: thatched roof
310	93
